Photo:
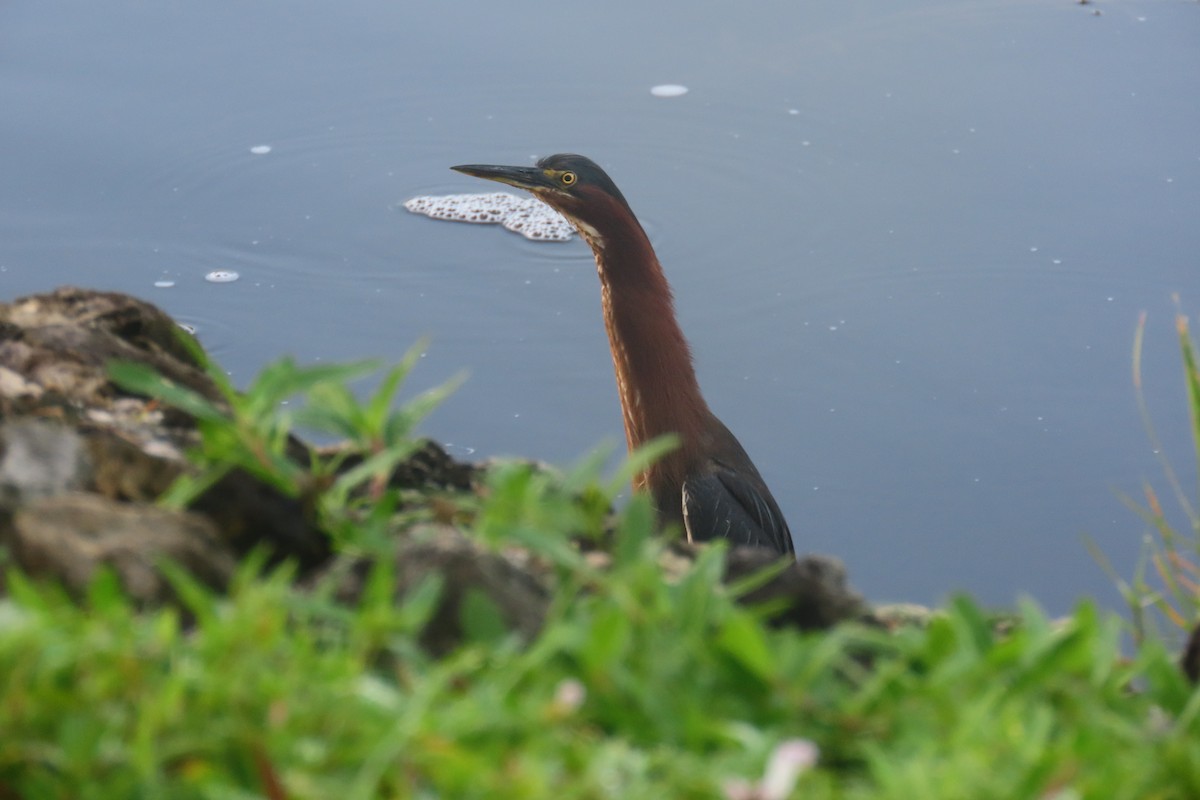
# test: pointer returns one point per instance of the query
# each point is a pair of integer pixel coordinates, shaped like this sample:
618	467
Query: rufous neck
653	363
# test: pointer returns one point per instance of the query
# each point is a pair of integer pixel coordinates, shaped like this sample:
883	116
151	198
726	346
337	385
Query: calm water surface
909	241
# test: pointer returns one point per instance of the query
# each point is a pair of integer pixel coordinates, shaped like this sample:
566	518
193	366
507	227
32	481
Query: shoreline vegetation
194	603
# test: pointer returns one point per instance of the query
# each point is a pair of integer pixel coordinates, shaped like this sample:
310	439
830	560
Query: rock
465	567
39	459
809	593
428	467
135	471
250	514
68	537
60	343
814	590
54	352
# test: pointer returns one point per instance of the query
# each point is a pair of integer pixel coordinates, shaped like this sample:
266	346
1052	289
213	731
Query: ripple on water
220	338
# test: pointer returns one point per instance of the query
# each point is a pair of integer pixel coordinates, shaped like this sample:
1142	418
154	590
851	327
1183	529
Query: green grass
636	687
1164	588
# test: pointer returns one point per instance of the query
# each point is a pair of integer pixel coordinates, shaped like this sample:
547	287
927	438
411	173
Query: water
909	242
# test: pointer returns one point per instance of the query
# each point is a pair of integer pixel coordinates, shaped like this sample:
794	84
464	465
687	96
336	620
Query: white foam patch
668	90
527	216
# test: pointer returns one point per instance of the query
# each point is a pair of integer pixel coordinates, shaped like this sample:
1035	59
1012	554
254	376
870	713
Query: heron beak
529	178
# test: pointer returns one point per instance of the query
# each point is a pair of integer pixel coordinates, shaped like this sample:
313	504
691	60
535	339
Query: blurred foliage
637	686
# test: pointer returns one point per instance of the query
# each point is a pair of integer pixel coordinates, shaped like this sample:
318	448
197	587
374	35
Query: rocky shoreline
82	462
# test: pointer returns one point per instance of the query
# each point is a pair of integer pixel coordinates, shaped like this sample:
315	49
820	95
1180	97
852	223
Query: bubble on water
527	216
668	90
260	149
222	276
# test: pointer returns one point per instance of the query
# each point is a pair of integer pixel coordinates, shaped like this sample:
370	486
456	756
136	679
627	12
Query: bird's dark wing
725	505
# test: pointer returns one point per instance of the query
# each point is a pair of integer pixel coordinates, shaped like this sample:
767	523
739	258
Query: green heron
708	484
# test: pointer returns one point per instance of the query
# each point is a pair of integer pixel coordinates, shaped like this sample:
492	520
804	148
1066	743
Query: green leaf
401	424
283	380
975	628
104	593
380	404
142	379
185	489
420	603
195	596
743	638
634	529
642	458
379	464
756	580
481	619
608	638
332	408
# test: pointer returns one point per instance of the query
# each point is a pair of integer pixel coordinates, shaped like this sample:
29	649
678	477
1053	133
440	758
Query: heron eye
568	178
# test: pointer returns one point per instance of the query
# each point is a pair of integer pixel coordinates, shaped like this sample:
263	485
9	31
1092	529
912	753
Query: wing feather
724	505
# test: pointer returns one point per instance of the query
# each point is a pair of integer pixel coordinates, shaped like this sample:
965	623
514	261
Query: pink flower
569	695
788	761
